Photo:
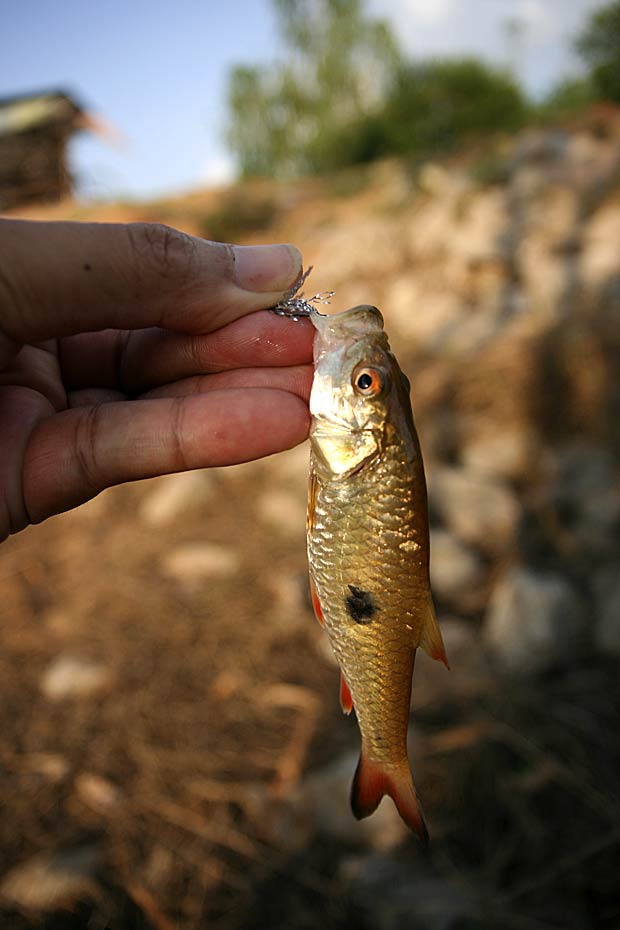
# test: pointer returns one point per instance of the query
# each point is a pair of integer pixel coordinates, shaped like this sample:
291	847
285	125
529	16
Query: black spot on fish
361	605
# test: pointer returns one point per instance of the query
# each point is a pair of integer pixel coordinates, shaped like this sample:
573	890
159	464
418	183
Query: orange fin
316	604
372	782
346	701
431	640
313	490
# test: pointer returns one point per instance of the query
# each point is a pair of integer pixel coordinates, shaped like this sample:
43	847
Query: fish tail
372	781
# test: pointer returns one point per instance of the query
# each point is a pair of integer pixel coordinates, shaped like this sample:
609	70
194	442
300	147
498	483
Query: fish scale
369	558
368	545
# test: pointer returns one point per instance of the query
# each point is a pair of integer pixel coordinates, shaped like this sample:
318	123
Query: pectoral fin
316	604
313	490
346	701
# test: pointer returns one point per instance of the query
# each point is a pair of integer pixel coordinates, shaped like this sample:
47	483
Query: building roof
23	112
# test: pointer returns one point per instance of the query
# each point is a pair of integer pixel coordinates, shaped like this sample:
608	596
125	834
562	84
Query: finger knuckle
85	448
11	303
167	252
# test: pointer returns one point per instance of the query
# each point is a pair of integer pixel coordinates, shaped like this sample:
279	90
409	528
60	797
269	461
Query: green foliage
345	96
348	182
435	105
238	215
599	46
569	97
493	168
288	119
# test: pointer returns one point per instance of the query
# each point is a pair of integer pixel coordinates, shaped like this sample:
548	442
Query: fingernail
263	268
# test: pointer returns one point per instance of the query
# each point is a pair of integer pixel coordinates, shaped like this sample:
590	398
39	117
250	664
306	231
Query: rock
391	894
53	880
478	236
469	672
50	765
540	146
322	803
459	636
504	450
585	493
74	677
542	271
607	593
192	562
528	182
534	621
291	605
431	228
592	159
438	181
284	511
480	510
492	397
96	791
420	310
228	683
60	621
555	216
174	495
457	573
601	258
370	247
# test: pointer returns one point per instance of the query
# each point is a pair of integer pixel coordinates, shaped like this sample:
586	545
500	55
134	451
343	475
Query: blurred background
172	752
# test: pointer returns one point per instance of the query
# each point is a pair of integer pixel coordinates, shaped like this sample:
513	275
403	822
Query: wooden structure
34	131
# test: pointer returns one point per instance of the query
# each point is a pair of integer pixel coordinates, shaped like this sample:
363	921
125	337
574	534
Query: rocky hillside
172	750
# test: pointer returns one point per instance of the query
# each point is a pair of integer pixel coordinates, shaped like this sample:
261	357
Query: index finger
57	279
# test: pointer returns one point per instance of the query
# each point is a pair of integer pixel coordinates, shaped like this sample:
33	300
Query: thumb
62	278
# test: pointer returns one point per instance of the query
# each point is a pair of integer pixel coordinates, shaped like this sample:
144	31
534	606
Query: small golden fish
368	545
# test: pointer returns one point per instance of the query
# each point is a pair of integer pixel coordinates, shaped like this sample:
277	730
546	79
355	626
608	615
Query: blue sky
157	71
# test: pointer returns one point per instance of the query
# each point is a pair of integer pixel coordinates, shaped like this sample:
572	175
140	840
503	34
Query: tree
435	105
292	118
599	46
569	97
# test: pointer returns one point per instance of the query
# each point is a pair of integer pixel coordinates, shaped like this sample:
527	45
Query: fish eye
368	382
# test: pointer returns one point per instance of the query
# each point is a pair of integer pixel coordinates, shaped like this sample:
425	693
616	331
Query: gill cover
347	424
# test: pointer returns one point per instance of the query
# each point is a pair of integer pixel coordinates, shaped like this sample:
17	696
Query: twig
147	903
562	865
226	837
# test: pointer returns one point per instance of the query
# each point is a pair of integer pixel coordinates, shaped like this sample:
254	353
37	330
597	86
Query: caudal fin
371	782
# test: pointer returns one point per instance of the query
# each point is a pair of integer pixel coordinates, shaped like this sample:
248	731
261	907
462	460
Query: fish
368	545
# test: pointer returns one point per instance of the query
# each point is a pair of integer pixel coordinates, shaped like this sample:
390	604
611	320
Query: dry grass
221	702
222	696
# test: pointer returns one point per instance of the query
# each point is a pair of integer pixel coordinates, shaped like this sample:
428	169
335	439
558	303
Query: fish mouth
363	320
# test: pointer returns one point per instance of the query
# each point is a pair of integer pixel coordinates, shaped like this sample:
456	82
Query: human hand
128	351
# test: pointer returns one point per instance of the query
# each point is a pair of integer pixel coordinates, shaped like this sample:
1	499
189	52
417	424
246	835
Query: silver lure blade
294	305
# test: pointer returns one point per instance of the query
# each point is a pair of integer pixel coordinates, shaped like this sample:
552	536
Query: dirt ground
167	699
221	696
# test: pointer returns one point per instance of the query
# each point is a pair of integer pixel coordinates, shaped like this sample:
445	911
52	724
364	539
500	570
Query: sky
157	72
